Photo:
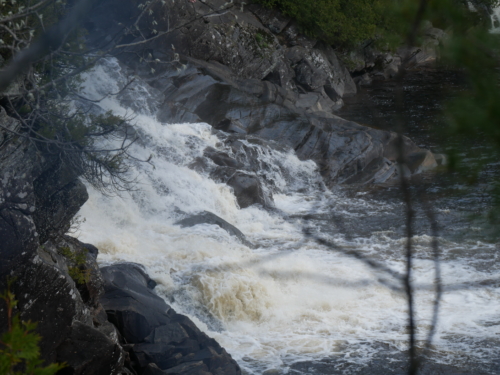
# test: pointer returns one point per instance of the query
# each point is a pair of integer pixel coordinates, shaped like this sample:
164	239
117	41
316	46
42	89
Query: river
292	305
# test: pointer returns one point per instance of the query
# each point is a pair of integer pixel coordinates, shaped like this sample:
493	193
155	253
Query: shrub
76	264
339	22
19	350
346	23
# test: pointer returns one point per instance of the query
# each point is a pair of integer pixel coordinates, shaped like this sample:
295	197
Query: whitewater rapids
290	299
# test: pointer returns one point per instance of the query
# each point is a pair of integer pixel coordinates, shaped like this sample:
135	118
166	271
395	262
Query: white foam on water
290	299
495	20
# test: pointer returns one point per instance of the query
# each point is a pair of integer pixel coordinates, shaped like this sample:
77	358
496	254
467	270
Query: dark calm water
418	115
467	238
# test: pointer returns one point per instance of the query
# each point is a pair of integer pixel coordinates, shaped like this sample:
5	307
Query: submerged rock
160	340
421	161
206	217
222	159
249	190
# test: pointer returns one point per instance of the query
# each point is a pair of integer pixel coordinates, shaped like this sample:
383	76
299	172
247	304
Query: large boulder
67	312
160	340
249	190
252	42
222	159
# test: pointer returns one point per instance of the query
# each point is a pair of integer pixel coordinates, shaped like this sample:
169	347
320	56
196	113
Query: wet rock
248	190
159	335
200	164
67	313
247	187
236	75
377	171
249	150
393	147
341	148
230	126
421	161
91	249
129	302
222	174
221	158
206	217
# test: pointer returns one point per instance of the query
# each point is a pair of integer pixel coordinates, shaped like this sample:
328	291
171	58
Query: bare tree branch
49	41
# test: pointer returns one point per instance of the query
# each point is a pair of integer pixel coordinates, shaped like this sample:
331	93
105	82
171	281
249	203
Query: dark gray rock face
89	351
247	70
69	315
341	148
19	166
222	159
55	211
38	195
381	65
38	198
206	217
253	43
248	190
160	340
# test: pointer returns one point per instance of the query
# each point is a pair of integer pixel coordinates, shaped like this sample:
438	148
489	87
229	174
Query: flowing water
292	305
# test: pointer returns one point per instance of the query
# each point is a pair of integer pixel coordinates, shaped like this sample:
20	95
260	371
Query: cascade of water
289	299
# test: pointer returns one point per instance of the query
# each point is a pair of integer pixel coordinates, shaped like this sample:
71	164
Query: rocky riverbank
248	72
74	302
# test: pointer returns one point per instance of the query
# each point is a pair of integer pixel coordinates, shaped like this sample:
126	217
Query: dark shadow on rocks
160	341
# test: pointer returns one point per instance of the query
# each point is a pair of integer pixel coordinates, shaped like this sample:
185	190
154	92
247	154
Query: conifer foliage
19	350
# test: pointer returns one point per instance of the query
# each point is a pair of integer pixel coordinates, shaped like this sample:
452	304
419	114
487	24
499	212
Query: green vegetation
263	40
335	21
19	350
76	264
348	22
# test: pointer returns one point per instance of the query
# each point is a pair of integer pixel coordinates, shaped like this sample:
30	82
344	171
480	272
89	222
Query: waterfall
290	299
